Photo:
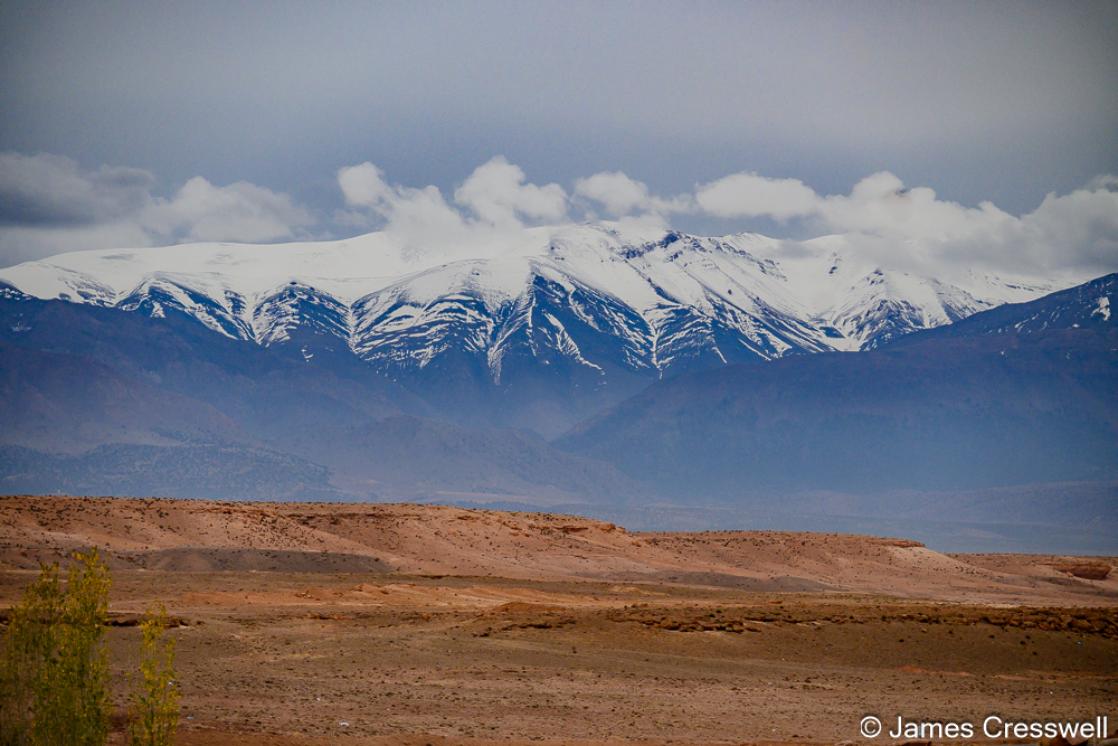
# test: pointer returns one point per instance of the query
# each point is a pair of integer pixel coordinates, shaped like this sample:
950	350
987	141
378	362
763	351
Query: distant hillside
1020	394
538	330
199	536
103	401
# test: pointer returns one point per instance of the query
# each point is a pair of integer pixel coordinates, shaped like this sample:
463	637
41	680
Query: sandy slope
321	658
393	625
188	535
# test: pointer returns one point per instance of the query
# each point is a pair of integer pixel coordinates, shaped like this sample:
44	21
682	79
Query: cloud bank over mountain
50	204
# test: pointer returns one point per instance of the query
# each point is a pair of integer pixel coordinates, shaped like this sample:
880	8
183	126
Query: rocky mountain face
660	379
102	400
539	333
1021	394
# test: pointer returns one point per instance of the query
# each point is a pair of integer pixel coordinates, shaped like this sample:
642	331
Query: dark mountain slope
1087	306
62	402
103	400
998	399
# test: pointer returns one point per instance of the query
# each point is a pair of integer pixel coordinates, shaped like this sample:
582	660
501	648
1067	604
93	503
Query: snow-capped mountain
588	299
231	372
1022	393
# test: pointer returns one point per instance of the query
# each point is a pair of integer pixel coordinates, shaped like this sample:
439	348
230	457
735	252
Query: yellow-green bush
155	700
54	675
33	627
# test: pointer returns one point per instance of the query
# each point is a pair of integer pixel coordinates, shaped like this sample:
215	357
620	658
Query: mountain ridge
536	331
1004	397
237	289
123	402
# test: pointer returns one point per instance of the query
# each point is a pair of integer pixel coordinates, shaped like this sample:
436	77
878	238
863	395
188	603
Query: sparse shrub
33	626
55	664
155	701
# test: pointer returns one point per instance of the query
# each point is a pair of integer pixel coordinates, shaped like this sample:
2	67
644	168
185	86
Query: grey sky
980	101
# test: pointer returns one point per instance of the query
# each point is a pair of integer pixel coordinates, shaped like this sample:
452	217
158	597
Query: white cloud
647	226
201	211
913	227
747	195
52	190
418	217
881	205
1075	232
616	192
880	217
497	194
49	204
621	195
1071	231
363	185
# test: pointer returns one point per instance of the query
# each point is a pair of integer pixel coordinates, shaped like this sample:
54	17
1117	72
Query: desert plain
300	624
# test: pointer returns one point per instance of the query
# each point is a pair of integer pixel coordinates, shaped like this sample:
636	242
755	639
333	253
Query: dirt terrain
404	624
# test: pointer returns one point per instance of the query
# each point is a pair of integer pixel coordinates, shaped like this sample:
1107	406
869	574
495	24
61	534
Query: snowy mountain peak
578	300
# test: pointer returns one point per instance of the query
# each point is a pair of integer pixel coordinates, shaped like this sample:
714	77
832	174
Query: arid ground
406	624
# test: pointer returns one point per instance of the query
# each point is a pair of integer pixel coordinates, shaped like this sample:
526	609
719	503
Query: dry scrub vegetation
54	665
404	625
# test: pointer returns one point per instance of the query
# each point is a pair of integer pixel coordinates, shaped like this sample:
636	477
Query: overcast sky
151	122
